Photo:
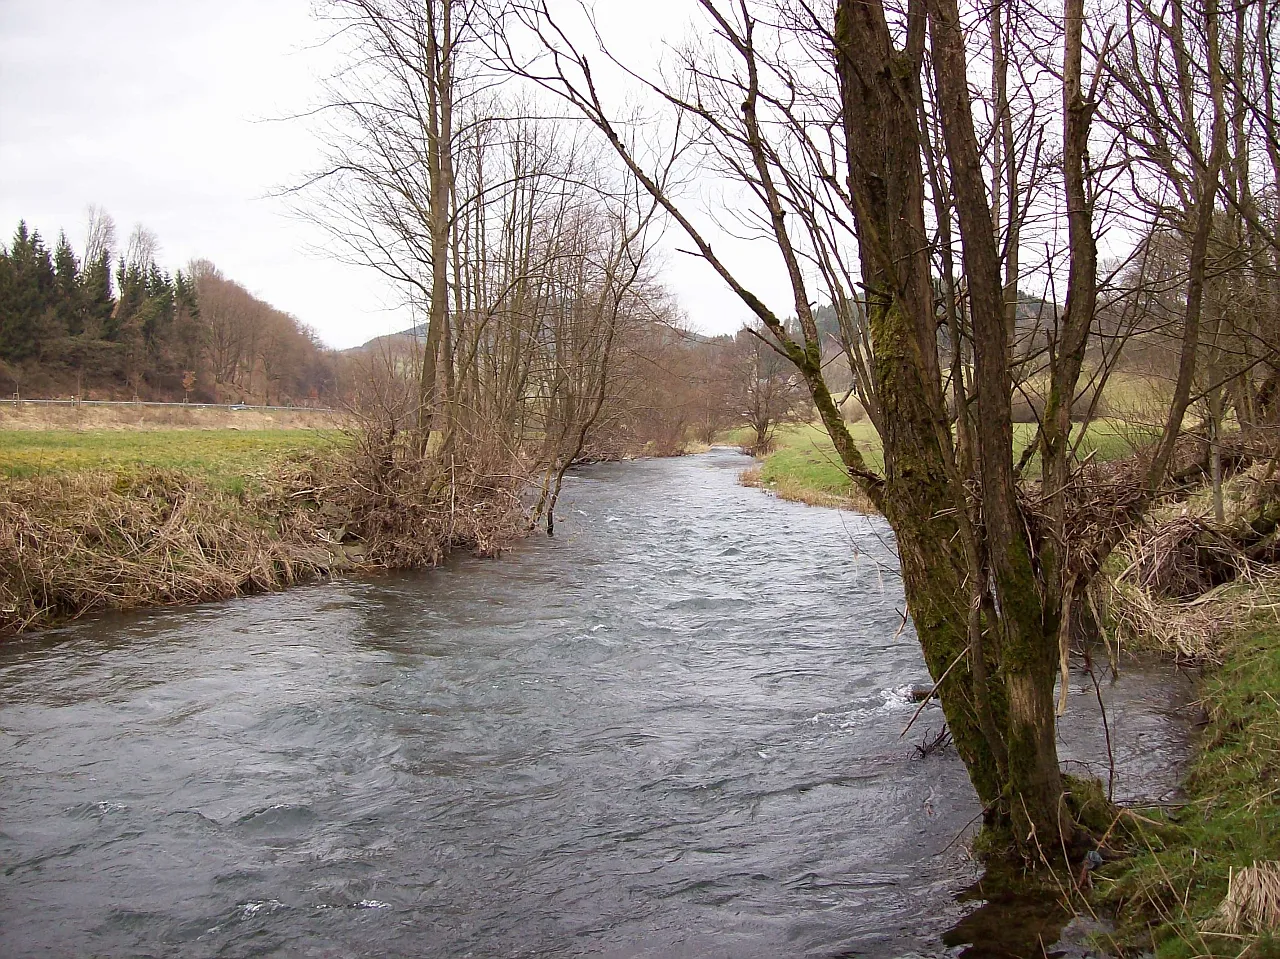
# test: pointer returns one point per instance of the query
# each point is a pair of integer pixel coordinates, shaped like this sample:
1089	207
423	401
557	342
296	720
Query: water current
673	730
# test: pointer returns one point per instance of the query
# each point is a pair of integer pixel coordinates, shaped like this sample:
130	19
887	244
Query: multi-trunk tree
525	254
855	136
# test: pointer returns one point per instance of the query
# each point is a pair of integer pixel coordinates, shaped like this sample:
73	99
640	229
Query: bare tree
764	388
100	234
856	140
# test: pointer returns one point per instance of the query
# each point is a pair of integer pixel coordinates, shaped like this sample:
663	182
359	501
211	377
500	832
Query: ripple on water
278	819
673	730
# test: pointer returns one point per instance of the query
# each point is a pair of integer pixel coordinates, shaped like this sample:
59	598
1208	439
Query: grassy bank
1176	897
803	465
92	521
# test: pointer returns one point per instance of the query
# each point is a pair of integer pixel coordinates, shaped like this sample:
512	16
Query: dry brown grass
30	416
1252	903
98	539
1193	631
1185	556
1186	584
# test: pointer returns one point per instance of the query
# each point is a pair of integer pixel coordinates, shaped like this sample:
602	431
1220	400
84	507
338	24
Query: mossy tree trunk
967	560
992	590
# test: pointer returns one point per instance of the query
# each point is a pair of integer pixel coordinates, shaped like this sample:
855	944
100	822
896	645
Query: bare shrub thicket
764	388
525	250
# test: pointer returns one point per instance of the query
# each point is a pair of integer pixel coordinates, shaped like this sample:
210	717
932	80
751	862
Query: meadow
224	458
803	464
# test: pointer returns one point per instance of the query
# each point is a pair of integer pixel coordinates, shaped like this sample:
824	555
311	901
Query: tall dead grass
1252	903
1187	583
99	540
32	416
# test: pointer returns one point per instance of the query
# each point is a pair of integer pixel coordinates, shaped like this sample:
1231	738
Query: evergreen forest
98	323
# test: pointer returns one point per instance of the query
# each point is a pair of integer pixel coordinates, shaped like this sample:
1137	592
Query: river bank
177	518
132	515
1192	885
1203	879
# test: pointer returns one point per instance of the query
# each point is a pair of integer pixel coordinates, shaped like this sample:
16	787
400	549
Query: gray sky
162	112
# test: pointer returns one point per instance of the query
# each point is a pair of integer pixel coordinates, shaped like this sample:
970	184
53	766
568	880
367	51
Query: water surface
673	730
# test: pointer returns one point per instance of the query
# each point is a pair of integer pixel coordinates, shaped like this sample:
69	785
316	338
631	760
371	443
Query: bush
852	410
1028	407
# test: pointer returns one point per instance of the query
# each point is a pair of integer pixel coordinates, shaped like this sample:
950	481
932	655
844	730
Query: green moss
1231	819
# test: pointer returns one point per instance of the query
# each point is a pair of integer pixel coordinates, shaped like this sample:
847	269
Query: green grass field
803	455
804	458
225	458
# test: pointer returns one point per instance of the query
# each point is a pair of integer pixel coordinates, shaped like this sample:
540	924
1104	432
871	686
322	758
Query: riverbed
675	729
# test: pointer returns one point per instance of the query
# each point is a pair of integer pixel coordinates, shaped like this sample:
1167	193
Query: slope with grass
804	467
1191	889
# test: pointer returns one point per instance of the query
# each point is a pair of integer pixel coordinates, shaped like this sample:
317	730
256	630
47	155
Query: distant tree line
114	324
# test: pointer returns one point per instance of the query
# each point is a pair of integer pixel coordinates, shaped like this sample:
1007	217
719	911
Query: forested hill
108	325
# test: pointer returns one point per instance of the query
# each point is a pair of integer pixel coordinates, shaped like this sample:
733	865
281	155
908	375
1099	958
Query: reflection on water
674	730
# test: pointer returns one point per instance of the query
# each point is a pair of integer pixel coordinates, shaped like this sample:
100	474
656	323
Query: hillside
102	323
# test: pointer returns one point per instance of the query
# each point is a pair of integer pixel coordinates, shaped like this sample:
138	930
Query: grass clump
1172	896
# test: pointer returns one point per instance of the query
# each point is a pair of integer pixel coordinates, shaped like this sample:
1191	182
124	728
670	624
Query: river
673	730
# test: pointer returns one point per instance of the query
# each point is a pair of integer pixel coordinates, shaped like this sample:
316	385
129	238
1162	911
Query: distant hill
406	339
395	342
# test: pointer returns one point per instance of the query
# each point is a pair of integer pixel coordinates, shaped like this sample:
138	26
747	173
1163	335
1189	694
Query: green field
225	458
804	458
803	455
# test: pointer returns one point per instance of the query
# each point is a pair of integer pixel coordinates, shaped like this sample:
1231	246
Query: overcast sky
164	112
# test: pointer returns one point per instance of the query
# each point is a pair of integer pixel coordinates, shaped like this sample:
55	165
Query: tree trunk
878	92
995	640
439	132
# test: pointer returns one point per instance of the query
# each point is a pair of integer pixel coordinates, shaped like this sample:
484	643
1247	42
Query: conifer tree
26	315
68	296
96	295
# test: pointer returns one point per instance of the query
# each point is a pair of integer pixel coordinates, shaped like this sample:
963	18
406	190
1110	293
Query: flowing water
673	730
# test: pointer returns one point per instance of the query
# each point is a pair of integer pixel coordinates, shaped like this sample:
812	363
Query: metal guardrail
18	401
